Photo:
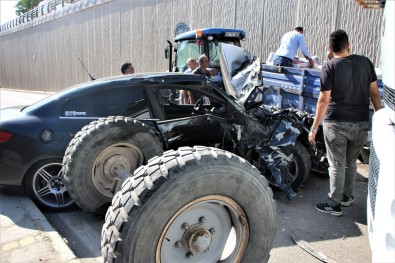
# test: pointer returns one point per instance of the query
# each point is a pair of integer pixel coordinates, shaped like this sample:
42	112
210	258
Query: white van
381	193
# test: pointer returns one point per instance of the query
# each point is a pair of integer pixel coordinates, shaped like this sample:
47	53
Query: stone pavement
26	236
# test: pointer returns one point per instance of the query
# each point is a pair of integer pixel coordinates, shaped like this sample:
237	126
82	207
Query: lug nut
189	255
202	219
243	220
178	244
212	231
185	226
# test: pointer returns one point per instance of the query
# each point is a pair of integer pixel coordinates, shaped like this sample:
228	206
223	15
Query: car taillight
5	136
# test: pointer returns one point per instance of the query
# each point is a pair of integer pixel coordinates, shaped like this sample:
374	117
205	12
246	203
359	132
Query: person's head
338	41
191	62
127	68
203	62
299	29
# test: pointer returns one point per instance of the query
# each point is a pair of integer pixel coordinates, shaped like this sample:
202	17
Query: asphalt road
344	239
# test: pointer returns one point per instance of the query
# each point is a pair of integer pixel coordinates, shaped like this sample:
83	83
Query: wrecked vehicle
234	120
186	202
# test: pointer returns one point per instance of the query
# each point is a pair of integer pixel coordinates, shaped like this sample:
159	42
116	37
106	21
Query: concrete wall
43	54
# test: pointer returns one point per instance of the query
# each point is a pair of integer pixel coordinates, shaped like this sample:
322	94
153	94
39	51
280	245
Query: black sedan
33	139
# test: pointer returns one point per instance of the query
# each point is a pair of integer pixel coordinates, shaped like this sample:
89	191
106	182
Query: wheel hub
197	238
201	232
119	166
57	184
113	160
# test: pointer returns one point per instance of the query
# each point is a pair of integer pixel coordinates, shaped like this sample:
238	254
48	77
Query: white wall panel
43	54
223	13
317	23
249	16
165	30
125	36
202	14
363	28
137	34
278	18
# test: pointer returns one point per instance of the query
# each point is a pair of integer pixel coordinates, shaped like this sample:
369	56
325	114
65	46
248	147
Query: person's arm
322	106
311	61
375	96
305	52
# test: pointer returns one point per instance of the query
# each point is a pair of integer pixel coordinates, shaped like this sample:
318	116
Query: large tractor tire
104	151
196	204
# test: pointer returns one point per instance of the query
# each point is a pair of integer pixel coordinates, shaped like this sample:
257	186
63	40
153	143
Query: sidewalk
26	235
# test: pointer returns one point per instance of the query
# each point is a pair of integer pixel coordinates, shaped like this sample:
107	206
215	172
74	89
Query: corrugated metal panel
223	13
137	34
43	54
202	14
165	32
317	22
125	37
279	17
150	36
362	26
249	16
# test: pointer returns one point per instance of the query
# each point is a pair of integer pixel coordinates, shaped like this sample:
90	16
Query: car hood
241	73
10	113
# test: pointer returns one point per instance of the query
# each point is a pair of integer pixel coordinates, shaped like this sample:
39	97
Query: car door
190	124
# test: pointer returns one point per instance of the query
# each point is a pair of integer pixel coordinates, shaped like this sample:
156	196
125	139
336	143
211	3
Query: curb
27	236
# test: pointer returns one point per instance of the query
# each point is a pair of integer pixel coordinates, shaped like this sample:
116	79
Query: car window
178	102
77	107
123	101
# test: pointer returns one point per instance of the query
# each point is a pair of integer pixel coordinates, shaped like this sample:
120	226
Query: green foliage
25	5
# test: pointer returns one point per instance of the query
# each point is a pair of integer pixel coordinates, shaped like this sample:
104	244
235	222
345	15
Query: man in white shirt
290	43
192	64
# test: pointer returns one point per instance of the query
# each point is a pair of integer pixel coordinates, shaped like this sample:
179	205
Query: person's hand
311	63
312	137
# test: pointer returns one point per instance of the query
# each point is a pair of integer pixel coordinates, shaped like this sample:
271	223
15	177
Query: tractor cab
194	43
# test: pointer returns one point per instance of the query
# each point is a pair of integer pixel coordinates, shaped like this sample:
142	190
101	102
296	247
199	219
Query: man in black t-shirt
348	85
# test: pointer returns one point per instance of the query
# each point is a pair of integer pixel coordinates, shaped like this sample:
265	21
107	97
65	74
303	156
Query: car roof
119	81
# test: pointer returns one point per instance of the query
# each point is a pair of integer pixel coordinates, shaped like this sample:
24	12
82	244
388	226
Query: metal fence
43	8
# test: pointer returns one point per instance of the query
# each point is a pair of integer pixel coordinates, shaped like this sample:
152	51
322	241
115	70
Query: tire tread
146	177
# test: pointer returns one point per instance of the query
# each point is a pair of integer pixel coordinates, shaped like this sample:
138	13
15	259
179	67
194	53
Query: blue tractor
194	43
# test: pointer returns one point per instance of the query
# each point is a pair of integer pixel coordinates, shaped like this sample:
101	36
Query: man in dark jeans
290	43
348	85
